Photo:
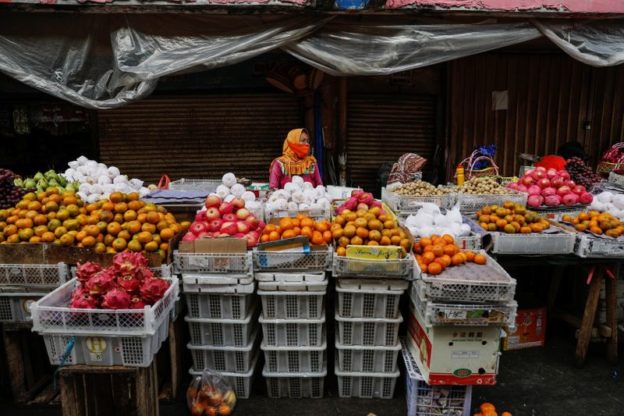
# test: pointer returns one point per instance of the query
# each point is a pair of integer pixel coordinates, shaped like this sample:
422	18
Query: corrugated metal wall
551	99
198	136
380	128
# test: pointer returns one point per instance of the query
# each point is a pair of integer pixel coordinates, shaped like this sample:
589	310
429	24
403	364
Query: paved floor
534	382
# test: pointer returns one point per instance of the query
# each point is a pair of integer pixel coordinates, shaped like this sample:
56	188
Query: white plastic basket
129	351
40	276
355	267
366	385
461	314
295	385
222	332
229	359
316	260
425	400
369	298
367	359
588	246
213	263
242	383
52	315
466	284
215	282
292	305
295	359
186	184
218	306
218	289
290	277
368	332
469	203
15	307
411	204
542	244
293	332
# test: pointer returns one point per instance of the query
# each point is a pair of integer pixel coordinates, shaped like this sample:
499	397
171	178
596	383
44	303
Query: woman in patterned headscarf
406	168
295	160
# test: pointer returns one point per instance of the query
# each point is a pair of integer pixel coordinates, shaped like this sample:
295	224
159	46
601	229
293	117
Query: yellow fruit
151	246
134	245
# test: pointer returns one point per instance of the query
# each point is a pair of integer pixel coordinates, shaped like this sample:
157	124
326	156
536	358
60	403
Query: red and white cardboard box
454	355
530	330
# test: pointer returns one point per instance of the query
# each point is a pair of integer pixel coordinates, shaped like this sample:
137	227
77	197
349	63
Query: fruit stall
274	292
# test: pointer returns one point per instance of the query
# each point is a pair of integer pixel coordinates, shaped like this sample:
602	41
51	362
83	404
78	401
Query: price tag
457	315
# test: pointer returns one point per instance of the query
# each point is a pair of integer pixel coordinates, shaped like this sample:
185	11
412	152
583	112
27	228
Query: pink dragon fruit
128	262
153	290
130	282
101	282
86	271
116	299
144	273
82	299
136	302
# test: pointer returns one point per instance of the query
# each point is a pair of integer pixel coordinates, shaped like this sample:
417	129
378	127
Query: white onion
229	179
298	180
237	190
248	196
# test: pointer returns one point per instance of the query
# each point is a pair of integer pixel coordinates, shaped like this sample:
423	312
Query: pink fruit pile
551	188
358	200
127	284
225	219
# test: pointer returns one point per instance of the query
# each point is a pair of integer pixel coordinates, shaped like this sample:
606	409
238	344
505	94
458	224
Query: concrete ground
532	382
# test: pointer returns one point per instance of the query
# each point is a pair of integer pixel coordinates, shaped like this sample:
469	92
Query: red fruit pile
127	284
359	200
225	219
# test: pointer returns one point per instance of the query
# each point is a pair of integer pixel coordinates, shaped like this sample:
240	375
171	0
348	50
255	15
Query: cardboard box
214	245
530	330
454	355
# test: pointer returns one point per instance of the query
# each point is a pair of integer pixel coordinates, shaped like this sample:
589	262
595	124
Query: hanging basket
616	178
469	163
604	167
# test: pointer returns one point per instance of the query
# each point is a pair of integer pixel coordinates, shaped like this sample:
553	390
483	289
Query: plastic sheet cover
104	61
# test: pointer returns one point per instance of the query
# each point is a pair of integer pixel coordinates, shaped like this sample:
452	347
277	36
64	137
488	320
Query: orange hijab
293	164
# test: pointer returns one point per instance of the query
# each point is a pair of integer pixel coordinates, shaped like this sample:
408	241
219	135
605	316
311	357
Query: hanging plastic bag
210	395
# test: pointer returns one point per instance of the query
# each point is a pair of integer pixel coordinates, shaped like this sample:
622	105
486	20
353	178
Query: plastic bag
210	395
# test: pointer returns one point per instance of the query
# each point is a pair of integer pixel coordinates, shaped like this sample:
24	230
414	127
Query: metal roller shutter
383	127
197	136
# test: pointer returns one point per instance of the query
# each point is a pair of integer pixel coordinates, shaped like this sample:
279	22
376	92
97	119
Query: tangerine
144	237
341	251
428	257
385	241
480	259
116	197
307	232
361	232
288	234
343	241
357	241
274	236
434	268
317	238
88	241
327	236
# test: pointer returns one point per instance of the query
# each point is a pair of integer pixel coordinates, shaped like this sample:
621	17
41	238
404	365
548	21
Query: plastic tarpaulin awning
106	61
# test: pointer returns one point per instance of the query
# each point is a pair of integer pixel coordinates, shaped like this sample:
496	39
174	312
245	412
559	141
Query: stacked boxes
292	286
218	287
455	320
367	342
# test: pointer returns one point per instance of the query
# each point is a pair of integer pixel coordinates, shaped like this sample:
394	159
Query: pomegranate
551	173
544	183
535	201
86	270
116	299
579	189
101	282
564	190
242	226
570	199
552	200
548	191
528	180
189	237
534	190
564	174
557	181
153	290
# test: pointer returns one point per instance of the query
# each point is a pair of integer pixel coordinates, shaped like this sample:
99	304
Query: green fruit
30	184
38	176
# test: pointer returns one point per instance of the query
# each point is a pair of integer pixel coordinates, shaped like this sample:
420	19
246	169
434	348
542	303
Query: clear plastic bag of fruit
210	395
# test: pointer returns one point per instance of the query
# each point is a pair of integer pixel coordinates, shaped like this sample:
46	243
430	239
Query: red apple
230	217
252	240
243	213
203	235
226	208
363	206
557	181
213	201
569	183
200	216
252	222
189	237
238	203
212	214
528	181
579	189
215	225
564	174
229	228
198	228
242	227
239	235
357	192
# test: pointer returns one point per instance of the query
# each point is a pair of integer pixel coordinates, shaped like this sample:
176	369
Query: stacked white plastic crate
292	287
367	322
222	315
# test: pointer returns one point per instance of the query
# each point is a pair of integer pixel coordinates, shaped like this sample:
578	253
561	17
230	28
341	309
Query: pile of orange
370	227
120	223
597	223
488	409
300	226
434	254
511	219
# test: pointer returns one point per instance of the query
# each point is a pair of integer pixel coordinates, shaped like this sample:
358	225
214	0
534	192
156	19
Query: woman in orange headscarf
295	161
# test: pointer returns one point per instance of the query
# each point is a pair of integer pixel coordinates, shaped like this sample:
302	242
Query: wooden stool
109	391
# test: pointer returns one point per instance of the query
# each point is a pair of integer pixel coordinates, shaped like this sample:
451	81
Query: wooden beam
589	315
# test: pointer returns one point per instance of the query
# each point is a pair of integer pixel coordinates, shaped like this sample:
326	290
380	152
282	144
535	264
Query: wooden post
553	290
589	315
104	391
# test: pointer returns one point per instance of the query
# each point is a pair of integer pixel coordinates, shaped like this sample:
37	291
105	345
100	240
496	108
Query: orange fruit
40	219
285	223
487	407
374	235
341	251
450	250
264	238
113	228
396	240
297	231
10	229
307	222
361	232
130	215
164	246
389	224
116	197
428	257
135	246
506	414
151	246
469	255
438	250
349	231
457	259
88	241
81	235
357	241
124	234
344	241
153	218
361	222
321	226
274	236
47	237
144	237
100	248
375	225
133	227
372	243
166	234
288	234
434	268
13	239
317	238
336	234
306	231
385	241
147	227
327	236
480	259
34	239
132	196
445	260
